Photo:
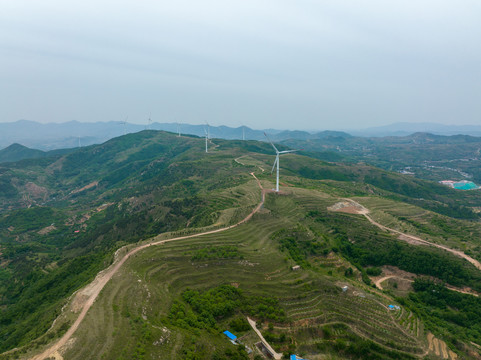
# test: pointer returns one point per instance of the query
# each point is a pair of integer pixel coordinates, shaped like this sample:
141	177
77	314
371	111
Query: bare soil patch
86	187
36	190
348	206
404	279
46	230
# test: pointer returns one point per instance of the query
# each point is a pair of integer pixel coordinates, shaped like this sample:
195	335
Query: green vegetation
67	215
427	156
138	195
217	252
220	303
372	248
455	315
299	244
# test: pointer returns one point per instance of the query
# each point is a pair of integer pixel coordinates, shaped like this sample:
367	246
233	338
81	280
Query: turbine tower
206	138
243	132
178	129
124	123
276	162
149	122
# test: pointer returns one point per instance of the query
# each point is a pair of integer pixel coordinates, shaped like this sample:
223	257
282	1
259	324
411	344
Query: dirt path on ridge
352	207
417	241
105	275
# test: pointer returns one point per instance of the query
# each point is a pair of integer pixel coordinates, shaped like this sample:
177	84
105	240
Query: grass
433	227
129	320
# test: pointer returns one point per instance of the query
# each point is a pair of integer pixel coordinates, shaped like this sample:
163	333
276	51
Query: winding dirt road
353	207
104	276
417	240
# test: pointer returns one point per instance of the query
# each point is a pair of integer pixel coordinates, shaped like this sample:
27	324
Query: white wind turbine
149	122
277	160
206	139
124	123
178	129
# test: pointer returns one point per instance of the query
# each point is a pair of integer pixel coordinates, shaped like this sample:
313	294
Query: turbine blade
277	151
274	166
287	151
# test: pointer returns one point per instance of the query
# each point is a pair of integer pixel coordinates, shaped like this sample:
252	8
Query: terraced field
414	220
130	317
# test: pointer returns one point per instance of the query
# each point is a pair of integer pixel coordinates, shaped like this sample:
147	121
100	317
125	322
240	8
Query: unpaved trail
240	157
104	276
415	239
252	323
353	207
379	281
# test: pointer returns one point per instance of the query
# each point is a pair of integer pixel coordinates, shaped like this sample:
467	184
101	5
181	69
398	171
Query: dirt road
379	281
352	207
252	323
417	240
104	276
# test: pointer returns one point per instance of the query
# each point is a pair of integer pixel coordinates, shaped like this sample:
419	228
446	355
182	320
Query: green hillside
64	219
424	155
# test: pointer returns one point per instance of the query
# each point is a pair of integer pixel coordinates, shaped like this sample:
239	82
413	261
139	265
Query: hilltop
203	243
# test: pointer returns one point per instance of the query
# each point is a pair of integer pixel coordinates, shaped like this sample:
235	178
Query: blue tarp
230	335
293	357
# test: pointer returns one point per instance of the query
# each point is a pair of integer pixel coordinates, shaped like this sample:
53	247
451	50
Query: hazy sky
298	64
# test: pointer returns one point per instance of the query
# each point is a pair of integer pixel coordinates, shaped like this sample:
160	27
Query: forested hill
16	152
63	217
423	155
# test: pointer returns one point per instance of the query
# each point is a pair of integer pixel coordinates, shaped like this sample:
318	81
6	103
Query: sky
303	64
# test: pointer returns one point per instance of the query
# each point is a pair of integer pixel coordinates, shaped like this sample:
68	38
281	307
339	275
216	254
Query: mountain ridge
70	134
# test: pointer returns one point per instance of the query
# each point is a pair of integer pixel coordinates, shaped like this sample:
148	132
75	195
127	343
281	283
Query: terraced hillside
187	267
138	300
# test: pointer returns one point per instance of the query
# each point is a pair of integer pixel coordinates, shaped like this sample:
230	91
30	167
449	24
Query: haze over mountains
71	134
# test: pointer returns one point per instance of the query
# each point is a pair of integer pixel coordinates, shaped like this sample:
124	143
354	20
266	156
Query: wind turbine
243	132
277	160
178	129
206	138
124	123
149	122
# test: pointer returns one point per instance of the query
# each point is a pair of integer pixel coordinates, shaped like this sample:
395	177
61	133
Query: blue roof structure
230	335
294	357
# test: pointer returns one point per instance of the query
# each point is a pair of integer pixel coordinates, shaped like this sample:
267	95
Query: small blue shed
230	335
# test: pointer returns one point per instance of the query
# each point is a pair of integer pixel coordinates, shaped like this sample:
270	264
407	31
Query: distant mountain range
405	128
72	134
16	152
